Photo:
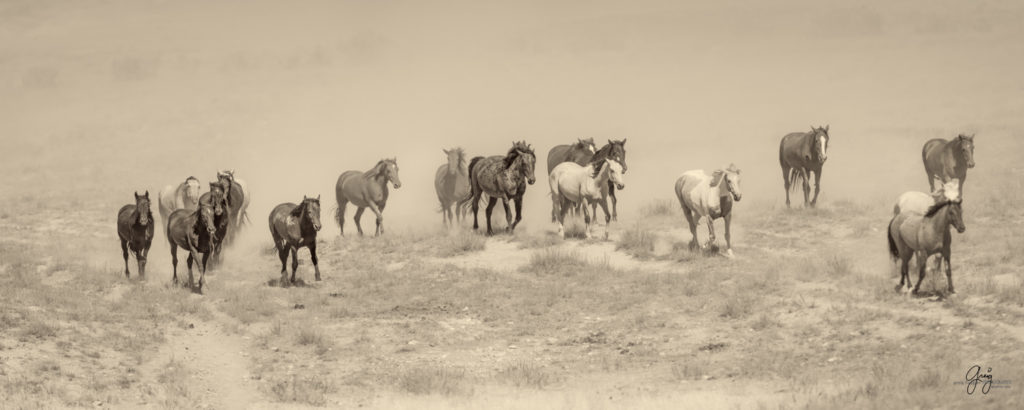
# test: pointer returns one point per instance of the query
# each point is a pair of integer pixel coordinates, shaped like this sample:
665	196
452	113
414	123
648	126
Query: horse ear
826	127
136	194
147	194
318	197
304	197
445	151
623	142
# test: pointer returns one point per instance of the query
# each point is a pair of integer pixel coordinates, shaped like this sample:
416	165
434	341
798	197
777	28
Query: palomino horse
710	197
948	159
135	229
183	196
294	227
451	182
366	190
195	231
615	151
502	177
217	197
801	153
573	184
911	233
579	152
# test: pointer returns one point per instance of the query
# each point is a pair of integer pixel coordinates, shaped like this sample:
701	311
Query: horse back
793	150
557	155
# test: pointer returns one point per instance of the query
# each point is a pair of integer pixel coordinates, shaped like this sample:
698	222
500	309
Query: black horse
217	197
293	227
195	231
135	228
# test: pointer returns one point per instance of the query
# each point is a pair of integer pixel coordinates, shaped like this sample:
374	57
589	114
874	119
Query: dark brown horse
800	154
235	199
135	229
615	151
451	182
366	190
195	231
911	234
217	197
294	227
948	159
503	177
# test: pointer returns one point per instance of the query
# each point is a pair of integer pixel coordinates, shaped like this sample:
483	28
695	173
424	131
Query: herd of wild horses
581	177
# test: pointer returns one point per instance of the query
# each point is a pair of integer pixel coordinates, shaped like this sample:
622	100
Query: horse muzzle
396	184
961	229
317	227
737	197
531	180
970	164
620	186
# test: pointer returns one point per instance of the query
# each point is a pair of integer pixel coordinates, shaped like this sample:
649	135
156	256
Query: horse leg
607	218
564	208
359	214
191	257
124	252
728	234
490	207
312	256
518	200
174	262
711	231
693	227
141	257
476	208
202	271
508	215
805	175
817	187
905	271
615	202
555	208
585	206
295	262
282	253
379	212
341	216
922	263
949	269
786	182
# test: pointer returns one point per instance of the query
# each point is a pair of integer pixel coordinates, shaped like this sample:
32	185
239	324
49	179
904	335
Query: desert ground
105	98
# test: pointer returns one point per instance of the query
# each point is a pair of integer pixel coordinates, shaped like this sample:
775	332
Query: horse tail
472	179
893	250
795	175
338	216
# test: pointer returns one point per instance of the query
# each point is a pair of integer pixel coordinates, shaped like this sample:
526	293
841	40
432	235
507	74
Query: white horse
246	194
916	201
709	196
574	184
182	196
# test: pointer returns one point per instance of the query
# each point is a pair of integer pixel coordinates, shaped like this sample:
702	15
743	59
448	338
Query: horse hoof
729	254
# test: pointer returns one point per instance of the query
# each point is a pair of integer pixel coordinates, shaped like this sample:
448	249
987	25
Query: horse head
142	207
456	160
391	171
206	218
309	210
192	190
617	152
615	173
967	149
820	143
524	160
731	177
587	144
218	197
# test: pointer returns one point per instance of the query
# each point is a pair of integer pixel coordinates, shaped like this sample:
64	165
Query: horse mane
376	170
514	152
598	165
297	212
934	209
462	158
717	177
191	178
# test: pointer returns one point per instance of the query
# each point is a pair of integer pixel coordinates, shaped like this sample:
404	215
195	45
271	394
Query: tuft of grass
249	305
525	374
461	242
563	262
307	335
840	266
308	389
37	329
694	369
637	242
174	378
660	207
442	380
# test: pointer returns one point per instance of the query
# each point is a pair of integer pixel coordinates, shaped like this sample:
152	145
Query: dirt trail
216	361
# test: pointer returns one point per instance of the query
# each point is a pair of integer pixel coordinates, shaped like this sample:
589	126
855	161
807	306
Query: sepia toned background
102	98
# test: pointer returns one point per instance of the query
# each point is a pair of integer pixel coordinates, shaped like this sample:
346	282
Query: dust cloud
102	98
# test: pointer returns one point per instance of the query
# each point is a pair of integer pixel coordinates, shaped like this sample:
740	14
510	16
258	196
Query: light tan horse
711	197
366	190
913	235
572	184
182	196
919	202
451	182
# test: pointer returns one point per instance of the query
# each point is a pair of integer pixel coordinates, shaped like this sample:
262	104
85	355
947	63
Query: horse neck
601	180
809	146
941	221
378	174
